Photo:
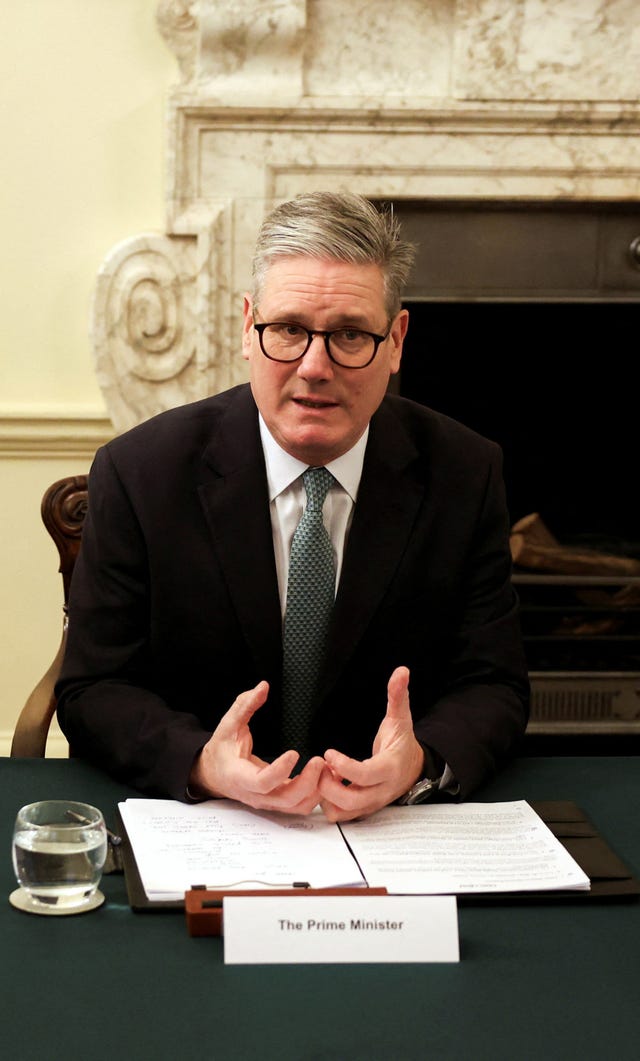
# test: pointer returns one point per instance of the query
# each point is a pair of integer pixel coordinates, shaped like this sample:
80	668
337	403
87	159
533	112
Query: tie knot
317	482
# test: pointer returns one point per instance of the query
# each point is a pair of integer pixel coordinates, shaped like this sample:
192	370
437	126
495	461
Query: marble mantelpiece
475	99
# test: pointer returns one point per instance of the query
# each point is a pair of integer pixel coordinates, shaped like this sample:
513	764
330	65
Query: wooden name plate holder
203	906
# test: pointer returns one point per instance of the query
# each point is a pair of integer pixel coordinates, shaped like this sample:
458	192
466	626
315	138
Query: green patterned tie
310	596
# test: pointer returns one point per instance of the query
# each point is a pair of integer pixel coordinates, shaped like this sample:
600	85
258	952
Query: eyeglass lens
347	346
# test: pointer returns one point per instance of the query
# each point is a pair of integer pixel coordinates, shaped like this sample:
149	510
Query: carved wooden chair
63	509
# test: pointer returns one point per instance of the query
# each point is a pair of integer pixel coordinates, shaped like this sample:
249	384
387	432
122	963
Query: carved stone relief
178	24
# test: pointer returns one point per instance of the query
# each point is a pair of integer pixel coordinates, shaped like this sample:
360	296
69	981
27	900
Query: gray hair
339	227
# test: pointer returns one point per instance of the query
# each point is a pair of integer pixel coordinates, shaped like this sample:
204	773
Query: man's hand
227	766
395	765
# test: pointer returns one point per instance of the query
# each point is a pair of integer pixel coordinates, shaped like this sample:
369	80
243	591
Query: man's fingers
398	695
342	768
271	788
242	709
335	812
375	782
261	777
350	797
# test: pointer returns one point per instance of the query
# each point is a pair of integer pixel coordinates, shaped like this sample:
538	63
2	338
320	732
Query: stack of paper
432	849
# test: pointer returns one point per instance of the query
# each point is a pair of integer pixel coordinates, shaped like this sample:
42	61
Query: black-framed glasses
348	347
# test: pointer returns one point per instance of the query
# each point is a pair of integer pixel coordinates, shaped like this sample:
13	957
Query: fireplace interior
552	383
521	327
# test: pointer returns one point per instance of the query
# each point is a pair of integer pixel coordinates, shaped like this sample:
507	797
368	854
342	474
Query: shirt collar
283	469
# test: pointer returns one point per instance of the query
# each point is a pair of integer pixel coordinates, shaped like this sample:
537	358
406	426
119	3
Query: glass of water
59	849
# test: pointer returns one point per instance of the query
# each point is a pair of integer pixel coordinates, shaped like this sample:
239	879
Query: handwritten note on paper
224	844
435	849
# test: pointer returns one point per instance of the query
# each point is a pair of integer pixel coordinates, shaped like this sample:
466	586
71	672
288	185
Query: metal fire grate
582	640
582	702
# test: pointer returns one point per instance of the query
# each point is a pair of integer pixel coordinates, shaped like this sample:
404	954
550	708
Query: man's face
317	410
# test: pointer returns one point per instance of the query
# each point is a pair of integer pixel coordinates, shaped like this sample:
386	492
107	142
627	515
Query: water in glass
59	849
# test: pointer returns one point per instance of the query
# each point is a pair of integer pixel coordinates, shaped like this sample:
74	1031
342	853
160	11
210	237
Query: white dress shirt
287	501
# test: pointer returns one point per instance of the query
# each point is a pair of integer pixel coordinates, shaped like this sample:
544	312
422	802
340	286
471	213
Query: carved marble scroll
144	330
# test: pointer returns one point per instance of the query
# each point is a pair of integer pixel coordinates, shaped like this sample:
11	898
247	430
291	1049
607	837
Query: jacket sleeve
480	714
107	705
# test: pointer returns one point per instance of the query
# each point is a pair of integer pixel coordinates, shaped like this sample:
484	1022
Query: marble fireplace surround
470	100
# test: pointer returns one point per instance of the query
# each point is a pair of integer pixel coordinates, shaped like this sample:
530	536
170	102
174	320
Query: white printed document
439	849
429	849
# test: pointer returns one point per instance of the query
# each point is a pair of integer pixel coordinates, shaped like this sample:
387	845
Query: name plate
275	930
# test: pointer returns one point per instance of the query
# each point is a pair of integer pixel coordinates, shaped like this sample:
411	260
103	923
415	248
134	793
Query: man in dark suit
173	675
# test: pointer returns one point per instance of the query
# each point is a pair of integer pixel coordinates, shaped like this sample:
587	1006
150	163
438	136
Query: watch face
420	791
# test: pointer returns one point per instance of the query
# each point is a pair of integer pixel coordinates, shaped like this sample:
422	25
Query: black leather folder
610	878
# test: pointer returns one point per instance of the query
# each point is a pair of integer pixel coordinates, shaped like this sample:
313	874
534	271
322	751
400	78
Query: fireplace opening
521	327
553	384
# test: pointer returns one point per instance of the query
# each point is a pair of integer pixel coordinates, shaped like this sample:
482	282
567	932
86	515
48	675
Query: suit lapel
389	500
234	496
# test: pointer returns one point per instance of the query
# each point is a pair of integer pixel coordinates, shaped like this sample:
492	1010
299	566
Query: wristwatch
420	792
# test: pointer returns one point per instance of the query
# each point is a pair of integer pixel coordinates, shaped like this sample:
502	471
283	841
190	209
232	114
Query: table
536	982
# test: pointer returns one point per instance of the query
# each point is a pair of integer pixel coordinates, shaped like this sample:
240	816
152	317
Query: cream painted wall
83	85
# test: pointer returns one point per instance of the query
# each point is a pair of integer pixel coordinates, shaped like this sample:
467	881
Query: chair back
63	509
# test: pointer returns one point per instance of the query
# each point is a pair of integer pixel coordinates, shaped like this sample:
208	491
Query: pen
113	839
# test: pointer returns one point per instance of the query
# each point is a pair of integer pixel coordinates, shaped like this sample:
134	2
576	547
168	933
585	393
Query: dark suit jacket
174	604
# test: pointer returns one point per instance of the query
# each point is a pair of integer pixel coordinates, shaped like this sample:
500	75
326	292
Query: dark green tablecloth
536	982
